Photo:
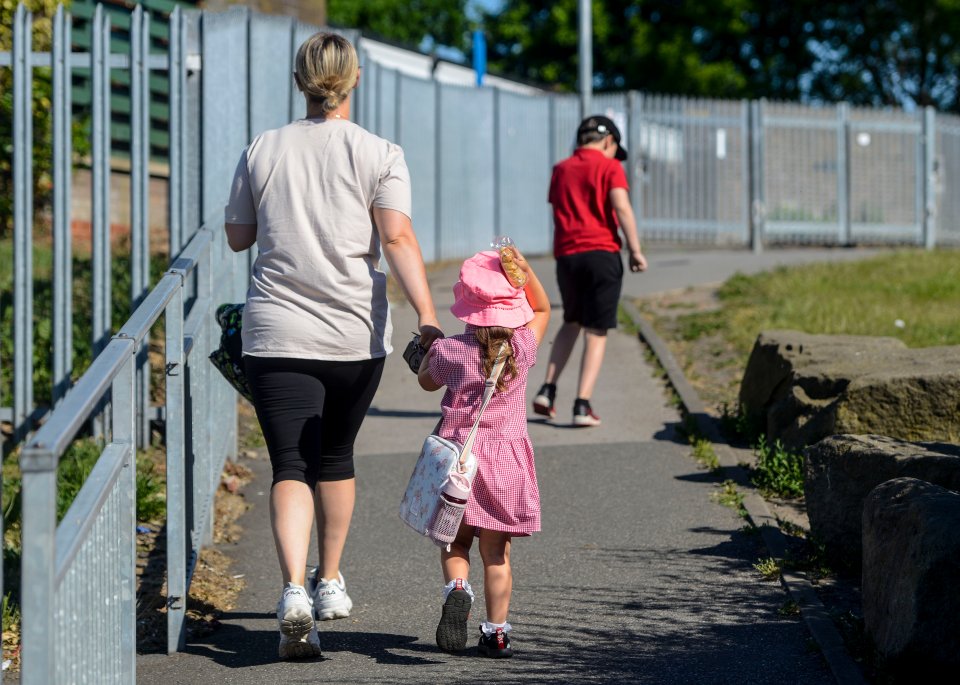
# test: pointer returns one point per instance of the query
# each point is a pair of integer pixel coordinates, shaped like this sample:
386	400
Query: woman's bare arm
241	237
402	251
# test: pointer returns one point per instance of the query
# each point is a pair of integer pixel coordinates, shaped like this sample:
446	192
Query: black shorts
310	412
590	284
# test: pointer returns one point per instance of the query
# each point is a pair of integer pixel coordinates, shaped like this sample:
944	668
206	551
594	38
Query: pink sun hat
484	296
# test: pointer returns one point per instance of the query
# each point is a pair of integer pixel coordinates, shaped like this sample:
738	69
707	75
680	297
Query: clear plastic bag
504	245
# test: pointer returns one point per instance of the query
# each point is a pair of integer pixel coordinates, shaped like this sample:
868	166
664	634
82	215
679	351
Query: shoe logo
459	585
500	644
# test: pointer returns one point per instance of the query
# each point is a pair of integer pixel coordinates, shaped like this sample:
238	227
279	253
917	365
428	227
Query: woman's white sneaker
330	598
298	633
304	647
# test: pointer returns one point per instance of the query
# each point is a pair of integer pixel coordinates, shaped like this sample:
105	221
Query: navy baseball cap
603	125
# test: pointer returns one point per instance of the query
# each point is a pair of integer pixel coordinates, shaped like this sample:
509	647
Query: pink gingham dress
505	496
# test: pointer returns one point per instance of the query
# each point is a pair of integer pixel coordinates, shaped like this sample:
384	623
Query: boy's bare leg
333	502
497	574
562	347
594	348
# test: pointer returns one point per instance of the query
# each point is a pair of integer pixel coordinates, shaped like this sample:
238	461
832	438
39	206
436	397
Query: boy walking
591	205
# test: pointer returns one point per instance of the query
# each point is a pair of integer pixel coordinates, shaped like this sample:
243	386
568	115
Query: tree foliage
439	22
880	52
722	48
886	52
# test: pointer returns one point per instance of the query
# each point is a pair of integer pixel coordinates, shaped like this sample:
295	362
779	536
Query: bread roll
514	273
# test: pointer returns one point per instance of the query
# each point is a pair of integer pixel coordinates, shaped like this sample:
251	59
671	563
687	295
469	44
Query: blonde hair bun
326	67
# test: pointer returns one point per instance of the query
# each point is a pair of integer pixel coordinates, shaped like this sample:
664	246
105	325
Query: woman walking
321	198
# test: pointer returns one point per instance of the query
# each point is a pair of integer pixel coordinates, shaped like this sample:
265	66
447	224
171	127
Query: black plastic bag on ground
228	358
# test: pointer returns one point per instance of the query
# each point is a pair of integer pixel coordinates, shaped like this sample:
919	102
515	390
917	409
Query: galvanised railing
78	595
78	605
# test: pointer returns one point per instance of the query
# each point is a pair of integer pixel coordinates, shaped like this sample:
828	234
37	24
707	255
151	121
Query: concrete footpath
637	577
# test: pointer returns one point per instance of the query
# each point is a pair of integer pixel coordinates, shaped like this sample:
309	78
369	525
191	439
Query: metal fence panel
225	68
947	176
803	162
465	170
271	77
565	118
415	133
693	168
387	104
885	149
523	171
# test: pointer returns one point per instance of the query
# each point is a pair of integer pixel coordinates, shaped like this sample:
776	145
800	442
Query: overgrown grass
918	289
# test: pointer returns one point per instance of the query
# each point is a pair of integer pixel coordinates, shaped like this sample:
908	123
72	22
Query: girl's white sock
490	628
451	586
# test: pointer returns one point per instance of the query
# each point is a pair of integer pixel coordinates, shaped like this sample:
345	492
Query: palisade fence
710	172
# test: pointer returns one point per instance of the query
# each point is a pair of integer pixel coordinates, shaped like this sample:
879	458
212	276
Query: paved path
637	577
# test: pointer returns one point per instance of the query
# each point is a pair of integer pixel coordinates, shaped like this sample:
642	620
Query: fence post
38	465
176	478
140	200
757	203
100	206
177	78
845	235
498	228
22	223
62	167
124	432
635	166
438	169
929	217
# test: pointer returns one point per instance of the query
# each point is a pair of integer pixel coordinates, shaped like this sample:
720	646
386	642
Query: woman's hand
429	331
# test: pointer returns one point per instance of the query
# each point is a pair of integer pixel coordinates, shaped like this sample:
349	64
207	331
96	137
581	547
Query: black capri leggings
310	411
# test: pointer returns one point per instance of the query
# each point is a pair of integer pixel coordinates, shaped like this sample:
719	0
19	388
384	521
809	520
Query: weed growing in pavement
778	471
769	568
626	322
705	455
737	424
789	608
729	496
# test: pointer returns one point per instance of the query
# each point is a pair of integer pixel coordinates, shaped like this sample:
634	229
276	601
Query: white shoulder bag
439	487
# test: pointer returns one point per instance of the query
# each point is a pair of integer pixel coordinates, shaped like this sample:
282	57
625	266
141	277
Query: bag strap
490	385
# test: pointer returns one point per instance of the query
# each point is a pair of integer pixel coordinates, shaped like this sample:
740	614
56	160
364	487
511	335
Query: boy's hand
637	261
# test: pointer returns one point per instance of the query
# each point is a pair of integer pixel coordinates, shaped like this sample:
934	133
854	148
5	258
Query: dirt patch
711	364
213	588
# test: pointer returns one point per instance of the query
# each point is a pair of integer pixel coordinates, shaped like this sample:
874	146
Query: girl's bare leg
456	562
497	574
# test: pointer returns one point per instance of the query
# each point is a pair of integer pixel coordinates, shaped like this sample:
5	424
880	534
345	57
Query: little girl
504	502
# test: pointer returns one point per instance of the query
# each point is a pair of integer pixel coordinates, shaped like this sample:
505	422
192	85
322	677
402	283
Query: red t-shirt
583	216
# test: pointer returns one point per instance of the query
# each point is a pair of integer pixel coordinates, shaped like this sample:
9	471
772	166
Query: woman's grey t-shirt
317	290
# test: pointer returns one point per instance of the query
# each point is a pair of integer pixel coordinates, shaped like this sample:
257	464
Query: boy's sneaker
330	598
495	645
543	402
583	414
452	629
298	634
